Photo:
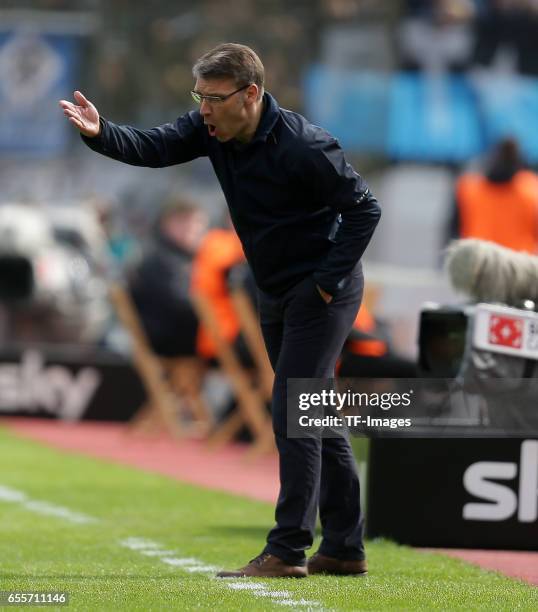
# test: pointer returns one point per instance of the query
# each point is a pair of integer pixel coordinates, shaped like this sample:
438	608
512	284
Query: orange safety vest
368	347
505	213
220	250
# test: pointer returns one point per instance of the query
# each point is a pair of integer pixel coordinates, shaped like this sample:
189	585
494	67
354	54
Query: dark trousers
304	337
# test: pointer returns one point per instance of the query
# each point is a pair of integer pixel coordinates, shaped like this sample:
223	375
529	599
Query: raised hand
83	115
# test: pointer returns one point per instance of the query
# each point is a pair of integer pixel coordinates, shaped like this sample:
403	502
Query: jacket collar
270	115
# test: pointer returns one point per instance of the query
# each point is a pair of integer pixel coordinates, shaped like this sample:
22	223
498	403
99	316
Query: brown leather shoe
320	564
267	566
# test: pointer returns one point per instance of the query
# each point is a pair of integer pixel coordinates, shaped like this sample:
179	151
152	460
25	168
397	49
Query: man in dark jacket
160	282
304	217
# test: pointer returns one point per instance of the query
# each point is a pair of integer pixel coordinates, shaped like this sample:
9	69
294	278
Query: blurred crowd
456	35
137	65
55	275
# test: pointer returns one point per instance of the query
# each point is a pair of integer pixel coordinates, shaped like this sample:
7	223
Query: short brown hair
231	60
177	204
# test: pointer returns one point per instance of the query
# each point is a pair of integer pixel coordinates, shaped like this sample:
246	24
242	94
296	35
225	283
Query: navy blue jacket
298	207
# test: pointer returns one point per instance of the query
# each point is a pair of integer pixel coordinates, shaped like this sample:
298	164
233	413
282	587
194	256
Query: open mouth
212	129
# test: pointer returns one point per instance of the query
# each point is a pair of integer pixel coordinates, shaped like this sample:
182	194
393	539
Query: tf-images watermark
418	407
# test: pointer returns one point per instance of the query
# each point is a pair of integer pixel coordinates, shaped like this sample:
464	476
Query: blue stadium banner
34	70
412	116
351	105
39	54
508	107
433	118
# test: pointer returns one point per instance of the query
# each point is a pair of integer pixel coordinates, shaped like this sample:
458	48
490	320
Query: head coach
304	217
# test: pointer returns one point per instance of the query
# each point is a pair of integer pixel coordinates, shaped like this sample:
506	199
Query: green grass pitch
40	551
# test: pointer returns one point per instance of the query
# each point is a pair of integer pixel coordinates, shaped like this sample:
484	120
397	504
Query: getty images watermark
410	408
343	401
329	407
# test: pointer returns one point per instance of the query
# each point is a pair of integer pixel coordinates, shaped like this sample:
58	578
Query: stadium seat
166	380
251	410
250	328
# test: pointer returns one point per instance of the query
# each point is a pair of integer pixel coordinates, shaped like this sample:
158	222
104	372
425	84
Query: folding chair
252	333
166	380
251	404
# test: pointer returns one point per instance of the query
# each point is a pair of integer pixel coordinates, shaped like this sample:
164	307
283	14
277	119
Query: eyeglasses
199	98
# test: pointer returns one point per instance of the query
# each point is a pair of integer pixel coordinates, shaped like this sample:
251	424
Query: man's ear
252	92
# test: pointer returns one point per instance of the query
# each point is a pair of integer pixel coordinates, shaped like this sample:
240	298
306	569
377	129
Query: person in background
505	35
499	205
436	37
220	250
122	245
160	282
367	352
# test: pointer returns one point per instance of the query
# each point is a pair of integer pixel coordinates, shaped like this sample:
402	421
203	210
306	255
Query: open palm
83	115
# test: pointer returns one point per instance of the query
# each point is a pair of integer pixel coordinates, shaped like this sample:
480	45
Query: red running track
513	563
226	469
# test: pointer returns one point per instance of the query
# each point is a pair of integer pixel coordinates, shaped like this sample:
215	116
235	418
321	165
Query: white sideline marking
195	566
283	598
180	562
7	494
193	569
299	602
139	544
10	495
246	586
259	588
157	553
153	549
